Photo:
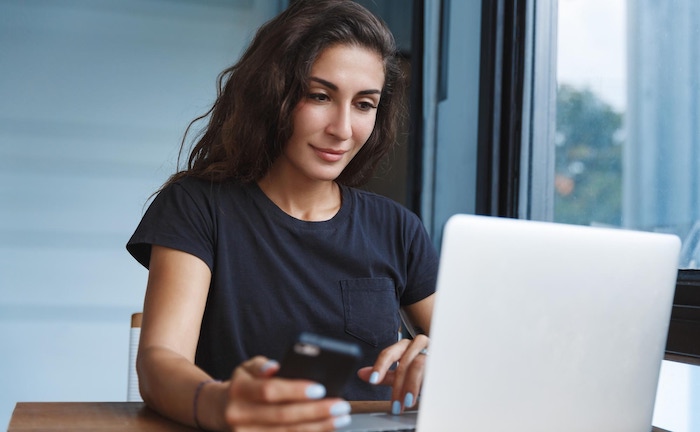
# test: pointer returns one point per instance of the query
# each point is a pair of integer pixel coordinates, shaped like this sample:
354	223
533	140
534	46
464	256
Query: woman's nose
340	124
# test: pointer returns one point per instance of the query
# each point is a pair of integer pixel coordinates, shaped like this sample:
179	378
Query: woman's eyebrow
334	87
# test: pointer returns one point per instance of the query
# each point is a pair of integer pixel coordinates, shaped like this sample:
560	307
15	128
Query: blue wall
94	98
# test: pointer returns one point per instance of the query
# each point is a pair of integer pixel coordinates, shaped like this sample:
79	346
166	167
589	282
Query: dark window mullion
500	106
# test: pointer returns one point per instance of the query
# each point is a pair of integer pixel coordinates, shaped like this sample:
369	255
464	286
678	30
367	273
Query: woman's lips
329	155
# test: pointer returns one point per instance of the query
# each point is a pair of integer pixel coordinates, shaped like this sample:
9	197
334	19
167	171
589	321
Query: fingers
258	400
366	374
407	377
260	366
380	373
247	385
326	414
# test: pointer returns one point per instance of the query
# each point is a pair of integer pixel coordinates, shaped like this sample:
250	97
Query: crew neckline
289	220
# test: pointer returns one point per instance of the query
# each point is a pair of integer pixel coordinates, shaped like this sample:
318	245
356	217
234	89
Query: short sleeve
180	217
422	265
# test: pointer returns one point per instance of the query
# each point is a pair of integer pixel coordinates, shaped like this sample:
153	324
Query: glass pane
628	117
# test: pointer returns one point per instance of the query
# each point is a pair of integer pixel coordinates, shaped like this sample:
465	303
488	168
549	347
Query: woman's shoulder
374	199
199	188
189	182
380	206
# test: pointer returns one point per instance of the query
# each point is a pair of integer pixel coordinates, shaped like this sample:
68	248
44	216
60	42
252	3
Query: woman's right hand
254	399
258	401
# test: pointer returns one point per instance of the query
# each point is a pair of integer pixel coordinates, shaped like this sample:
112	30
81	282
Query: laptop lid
542	326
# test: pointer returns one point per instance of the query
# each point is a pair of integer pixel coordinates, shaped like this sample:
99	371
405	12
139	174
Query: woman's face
336	117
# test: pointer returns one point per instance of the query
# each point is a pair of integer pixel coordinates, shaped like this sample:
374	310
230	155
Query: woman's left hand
406	380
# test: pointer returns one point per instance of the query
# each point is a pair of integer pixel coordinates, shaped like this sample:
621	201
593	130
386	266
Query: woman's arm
420	314
178	284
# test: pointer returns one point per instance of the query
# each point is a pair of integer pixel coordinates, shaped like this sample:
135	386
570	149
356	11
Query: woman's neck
311	201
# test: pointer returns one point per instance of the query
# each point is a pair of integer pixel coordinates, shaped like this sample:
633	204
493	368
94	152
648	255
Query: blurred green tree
588	176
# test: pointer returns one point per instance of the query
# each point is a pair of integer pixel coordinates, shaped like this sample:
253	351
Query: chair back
132	390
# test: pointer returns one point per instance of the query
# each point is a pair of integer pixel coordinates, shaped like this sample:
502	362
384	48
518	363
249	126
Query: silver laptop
544	327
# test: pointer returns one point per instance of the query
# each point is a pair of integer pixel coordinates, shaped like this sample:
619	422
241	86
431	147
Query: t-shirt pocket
371	309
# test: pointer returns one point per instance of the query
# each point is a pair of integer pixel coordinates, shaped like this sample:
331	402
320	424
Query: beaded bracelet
196	399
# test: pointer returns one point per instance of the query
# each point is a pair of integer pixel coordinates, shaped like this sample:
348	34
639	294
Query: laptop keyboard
382	422
411	429
385	429
395	429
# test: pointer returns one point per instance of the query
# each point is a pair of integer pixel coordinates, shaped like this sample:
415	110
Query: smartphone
322	359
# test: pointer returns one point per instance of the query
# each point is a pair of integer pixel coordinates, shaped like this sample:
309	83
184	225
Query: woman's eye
366	106
320	97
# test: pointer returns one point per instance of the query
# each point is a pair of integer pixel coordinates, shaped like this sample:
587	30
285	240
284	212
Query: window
611	137
589	113
619	142
627	139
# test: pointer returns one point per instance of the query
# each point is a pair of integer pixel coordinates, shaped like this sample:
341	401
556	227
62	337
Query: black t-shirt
274	276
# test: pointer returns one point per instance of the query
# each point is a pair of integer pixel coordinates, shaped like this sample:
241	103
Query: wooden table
117	416
112	416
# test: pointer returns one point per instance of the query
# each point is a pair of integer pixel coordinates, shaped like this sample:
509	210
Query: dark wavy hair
251	120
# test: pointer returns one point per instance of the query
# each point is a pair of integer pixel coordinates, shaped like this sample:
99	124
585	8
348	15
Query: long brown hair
251	119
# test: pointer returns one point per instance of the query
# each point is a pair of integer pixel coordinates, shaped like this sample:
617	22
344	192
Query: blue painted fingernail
408	400
315	391
396	408
268	364
374	378
340	409
339	422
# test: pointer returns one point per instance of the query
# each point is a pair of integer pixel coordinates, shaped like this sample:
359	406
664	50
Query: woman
263	235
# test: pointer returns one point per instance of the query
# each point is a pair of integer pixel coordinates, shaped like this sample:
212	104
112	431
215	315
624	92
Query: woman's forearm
168	383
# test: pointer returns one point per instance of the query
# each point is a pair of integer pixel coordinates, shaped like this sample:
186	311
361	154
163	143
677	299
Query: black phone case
324	360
